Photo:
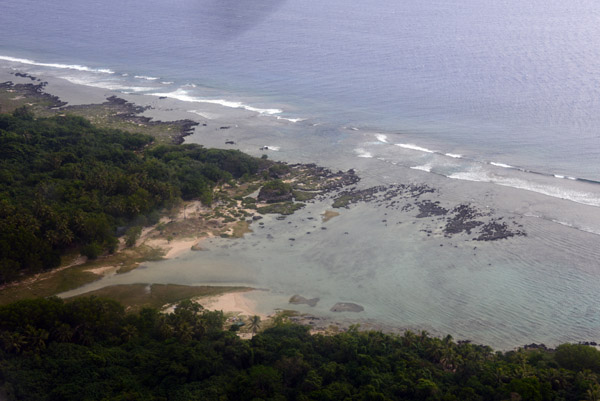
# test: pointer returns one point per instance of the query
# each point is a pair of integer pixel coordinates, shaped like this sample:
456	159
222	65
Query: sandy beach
234	302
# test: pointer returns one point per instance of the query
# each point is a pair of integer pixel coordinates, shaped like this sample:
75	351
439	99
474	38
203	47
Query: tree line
65	183
90	349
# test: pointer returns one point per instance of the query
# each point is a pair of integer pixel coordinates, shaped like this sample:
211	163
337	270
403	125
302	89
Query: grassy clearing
48	284
241	228
301	196
138	296
68	278
344	201
285	208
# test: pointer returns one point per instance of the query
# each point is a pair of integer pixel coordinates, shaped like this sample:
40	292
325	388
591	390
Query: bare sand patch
328	215
103	269
232	302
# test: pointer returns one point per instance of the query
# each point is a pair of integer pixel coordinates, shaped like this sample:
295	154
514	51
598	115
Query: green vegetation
278	187
279	170
275	191
284	208
66	184
343	201
139	296
302	196
90	349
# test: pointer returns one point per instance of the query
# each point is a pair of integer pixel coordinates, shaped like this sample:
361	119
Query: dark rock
494	231
428	209
34	91
298	300
463	220
535	346
22	75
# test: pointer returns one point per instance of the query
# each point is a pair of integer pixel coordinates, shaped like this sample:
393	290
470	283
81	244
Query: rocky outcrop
275	191
298	300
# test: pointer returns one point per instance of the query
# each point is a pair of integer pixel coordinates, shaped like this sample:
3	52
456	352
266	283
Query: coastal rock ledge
346	307
298	300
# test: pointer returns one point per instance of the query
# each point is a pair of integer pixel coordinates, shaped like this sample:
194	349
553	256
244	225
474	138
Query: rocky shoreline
128	112
114	109
464	218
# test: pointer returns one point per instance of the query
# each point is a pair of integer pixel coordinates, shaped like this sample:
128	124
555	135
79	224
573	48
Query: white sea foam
293	120
108	85
360	152
584	198
381	138
581	228
183	95
425	167
414	147
501	165
453	155
566	177
57	65
271	147
147	78
167	82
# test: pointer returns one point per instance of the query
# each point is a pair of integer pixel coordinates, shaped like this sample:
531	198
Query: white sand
103	269
233	302
174	248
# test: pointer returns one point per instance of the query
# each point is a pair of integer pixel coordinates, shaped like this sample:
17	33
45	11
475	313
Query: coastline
315	241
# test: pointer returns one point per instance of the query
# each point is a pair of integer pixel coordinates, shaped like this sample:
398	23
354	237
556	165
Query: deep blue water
509	81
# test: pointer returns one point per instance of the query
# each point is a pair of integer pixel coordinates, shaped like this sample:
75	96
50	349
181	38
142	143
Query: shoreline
232	303
534	211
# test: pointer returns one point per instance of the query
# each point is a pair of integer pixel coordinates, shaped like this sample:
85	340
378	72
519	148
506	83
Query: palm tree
63	333
128	332
13	342
184	332
36	338
254	324
593	393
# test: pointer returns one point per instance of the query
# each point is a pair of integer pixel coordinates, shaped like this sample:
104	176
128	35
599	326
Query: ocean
495	102
504	82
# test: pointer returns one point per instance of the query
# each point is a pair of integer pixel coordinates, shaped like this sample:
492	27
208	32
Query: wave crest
57	65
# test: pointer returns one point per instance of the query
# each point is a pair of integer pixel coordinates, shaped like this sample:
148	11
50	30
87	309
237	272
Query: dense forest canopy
89	349
65	183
